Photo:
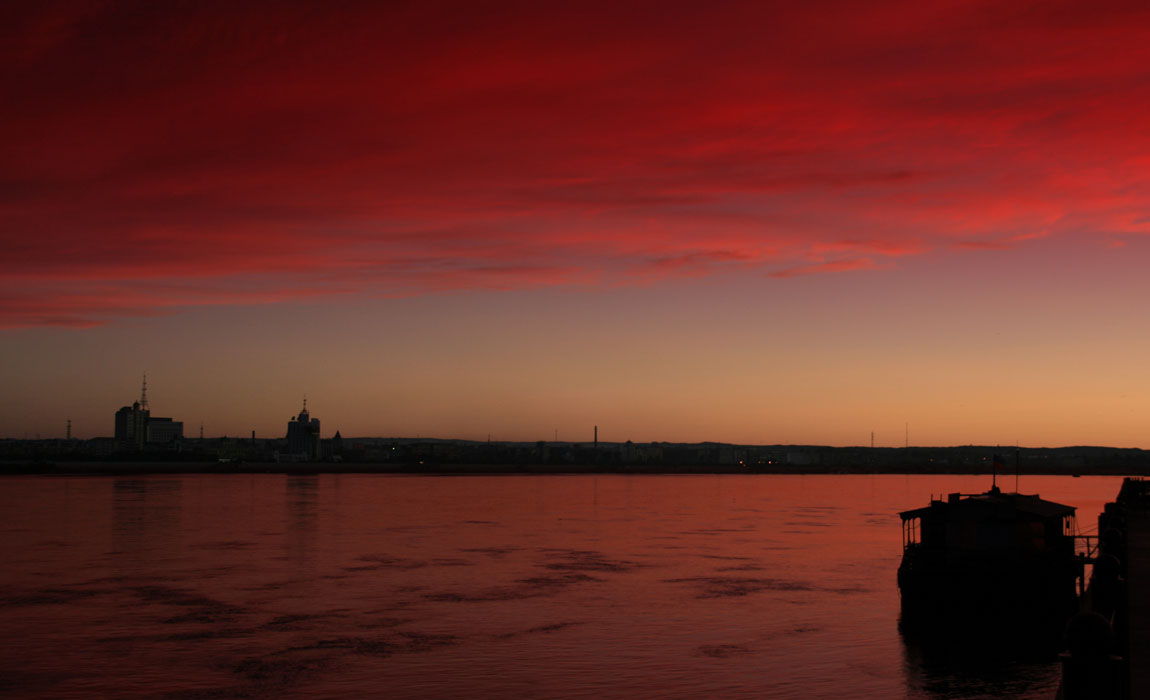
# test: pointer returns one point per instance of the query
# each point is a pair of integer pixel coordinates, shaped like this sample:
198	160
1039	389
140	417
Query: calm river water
477	587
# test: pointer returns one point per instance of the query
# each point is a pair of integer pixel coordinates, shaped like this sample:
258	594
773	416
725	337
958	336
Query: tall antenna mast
69	437
144	394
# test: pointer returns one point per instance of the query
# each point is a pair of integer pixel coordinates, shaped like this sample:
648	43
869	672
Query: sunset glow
748	222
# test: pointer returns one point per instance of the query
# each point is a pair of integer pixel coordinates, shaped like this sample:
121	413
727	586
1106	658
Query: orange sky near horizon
747	222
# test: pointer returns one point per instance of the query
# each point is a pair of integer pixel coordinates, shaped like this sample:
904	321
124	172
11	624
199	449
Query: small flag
998	464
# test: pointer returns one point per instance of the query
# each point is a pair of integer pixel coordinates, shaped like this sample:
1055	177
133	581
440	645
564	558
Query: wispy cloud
282	153
833	266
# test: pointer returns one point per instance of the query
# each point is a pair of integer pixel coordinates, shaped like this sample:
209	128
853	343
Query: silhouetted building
136	427
303	435
132	425
163	431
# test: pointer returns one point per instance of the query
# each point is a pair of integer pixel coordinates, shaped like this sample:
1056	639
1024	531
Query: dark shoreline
434	456
142	468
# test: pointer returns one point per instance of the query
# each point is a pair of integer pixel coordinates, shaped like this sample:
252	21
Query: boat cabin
991	522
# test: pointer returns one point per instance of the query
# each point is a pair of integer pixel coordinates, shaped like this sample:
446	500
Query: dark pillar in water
1090	671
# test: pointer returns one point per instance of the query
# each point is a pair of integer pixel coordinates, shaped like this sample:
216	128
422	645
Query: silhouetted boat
993	567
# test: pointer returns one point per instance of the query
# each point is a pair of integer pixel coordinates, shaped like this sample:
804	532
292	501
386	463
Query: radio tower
69	436
144	394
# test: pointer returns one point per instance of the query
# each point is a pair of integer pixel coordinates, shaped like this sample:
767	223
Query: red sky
160	157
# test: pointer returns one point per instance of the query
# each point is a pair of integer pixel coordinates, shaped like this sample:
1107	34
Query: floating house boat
990	564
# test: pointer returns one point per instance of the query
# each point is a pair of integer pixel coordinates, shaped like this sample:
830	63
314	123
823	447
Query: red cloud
983	245
834	266
256	155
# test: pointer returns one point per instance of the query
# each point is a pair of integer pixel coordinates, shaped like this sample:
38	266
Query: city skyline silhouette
757	223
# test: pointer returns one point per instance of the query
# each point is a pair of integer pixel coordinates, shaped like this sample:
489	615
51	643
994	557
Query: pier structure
1138	588
1108	641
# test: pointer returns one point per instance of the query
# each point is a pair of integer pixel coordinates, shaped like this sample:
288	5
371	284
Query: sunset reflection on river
480	587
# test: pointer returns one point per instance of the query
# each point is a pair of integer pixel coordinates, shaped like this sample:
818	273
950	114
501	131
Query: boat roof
1023	503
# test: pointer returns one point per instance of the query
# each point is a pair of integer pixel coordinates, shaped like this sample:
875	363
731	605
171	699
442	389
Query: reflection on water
481	587
944	671
301	501
145	522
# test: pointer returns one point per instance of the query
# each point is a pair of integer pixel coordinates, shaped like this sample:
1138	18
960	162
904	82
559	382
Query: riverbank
143	468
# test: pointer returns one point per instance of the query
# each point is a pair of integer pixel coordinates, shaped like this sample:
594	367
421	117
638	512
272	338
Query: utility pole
1017	465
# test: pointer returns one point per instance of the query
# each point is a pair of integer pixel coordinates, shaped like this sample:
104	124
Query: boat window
909	532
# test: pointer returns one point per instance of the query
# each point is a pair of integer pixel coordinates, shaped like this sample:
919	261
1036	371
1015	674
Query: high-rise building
303	435
132	425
